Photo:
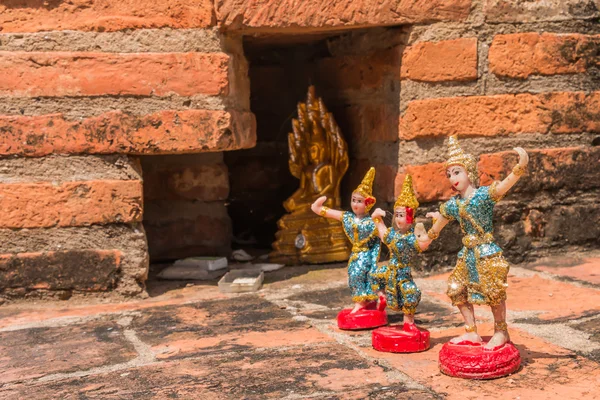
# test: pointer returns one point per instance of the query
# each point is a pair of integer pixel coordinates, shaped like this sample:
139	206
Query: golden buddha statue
319	159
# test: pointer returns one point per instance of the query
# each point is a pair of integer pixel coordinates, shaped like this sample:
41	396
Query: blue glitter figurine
481	271
362	232
402	240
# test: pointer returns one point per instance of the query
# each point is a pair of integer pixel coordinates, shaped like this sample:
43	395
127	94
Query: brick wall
512	74
95	92
499	74
88	87
185	213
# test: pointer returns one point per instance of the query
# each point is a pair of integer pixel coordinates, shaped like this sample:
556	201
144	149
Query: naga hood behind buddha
319	159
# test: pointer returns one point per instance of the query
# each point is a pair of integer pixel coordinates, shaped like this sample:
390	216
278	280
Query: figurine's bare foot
499	338
358	307
410	329
467	337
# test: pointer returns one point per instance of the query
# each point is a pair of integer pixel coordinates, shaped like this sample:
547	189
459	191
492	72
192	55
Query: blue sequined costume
362	264
481	271
401	291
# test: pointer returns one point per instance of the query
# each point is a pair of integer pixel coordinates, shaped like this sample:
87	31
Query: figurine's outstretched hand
323	211
422	238
523	156
420	230
378	213
377	216
435	215
318	204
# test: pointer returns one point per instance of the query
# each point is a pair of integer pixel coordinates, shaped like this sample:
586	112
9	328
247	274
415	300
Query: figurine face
402	219
314	154
358	204
458	178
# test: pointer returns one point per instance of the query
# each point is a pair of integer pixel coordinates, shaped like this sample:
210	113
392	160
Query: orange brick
572	112
275	15
164	132
37	205
104	15
524	54
429	181
539	10
450	60
95	74
87	270
559	112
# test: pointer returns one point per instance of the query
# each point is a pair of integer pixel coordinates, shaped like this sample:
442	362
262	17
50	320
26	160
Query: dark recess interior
357	75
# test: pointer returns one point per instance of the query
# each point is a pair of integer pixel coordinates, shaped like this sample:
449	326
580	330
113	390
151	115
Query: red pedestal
395	339
471	361
362	319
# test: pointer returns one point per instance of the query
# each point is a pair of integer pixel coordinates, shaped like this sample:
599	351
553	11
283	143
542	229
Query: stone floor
193	342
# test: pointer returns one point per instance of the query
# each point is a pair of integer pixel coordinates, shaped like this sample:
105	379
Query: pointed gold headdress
465	160
365	188
407	196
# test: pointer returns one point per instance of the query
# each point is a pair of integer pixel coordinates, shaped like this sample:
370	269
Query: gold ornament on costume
319	159
458	157
407	196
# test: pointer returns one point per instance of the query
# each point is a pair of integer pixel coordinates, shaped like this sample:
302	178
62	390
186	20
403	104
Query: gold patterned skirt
478	280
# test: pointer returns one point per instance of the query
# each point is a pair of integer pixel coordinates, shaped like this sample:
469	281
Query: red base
395	339
362	319
471	361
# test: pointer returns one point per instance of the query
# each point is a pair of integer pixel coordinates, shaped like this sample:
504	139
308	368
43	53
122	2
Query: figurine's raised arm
323	211
518	170
377	216
425	238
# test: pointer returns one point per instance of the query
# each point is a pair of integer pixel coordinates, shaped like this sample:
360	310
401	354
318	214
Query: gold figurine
319	159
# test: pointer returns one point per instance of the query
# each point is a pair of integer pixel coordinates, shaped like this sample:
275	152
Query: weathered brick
103	15
549	169
382	188
165	132
89	270
356	72
364	123
275	15
573	168
571	112
540	10
559	112
378	122
129	239
45	204
450	60
429	181
524	54
177	229
572	224
193	182
94	74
